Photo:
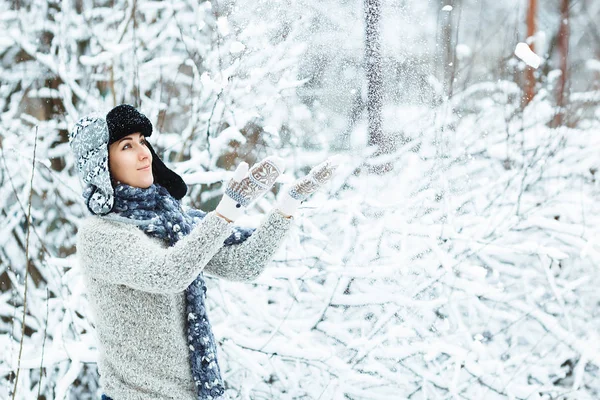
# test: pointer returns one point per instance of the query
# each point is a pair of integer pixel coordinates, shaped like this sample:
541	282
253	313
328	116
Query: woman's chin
147	182
143	184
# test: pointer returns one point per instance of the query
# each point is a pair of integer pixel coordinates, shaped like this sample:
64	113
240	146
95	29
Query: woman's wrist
286	204
224	217
284	214
228	220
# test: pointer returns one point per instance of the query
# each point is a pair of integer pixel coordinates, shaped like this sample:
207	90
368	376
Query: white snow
101	58
524	53
44	93
223	25
207	177
593	65
236	47
463	51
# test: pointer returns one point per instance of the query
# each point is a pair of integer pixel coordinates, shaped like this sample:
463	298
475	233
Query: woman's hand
302	188
248	185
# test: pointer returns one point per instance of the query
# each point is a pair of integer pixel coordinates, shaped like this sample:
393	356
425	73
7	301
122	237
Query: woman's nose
144	153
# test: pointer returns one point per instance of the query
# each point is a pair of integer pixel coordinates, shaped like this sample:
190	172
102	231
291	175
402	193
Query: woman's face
130	161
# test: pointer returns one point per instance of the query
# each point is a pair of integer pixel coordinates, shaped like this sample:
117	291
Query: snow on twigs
471	280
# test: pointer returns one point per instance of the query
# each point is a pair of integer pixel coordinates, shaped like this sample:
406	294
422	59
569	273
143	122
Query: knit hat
124	120
89	142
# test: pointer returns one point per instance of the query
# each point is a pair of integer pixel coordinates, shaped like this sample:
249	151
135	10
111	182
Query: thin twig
26	267
208	123
44	342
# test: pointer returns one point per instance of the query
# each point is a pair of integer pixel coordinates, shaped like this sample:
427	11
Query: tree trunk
447	50
563	53
374	74
529	72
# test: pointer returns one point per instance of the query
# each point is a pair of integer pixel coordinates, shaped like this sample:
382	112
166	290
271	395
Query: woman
143	256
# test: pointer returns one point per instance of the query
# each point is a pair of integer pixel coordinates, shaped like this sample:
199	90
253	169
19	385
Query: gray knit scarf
160	215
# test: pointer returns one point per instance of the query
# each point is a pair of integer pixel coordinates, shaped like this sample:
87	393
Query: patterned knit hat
89	142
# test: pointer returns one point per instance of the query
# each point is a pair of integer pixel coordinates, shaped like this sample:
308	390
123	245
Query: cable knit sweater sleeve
123	254
247	260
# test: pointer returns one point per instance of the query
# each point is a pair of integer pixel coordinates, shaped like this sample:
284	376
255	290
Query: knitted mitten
248	185
291	198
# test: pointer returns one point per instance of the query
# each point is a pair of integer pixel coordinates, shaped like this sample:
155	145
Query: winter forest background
456	253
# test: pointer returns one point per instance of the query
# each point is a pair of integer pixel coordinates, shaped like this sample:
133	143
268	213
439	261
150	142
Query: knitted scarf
160	215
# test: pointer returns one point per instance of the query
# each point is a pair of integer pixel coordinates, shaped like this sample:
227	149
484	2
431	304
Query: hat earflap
97	201
166	178
89	143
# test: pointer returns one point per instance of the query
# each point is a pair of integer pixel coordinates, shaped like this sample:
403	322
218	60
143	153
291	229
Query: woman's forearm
247	260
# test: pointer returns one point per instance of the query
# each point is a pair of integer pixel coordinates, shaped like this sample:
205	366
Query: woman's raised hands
248	185
303	187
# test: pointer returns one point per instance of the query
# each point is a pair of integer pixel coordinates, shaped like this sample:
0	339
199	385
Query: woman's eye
124	147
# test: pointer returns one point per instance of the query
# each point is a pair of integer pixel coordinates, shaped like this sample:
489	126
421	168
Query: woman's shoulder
96	227
94	221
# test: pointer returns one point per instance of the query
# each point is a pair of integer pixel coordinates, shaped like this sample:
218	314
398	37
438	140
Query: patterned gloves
248	185
290	199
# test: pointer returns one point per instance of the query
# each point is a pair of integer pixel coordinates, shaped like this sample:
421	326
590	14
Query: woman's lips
147	167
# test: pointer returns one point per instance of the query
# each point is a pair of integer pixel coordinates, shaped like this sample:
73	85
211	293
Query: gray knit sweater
136	291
